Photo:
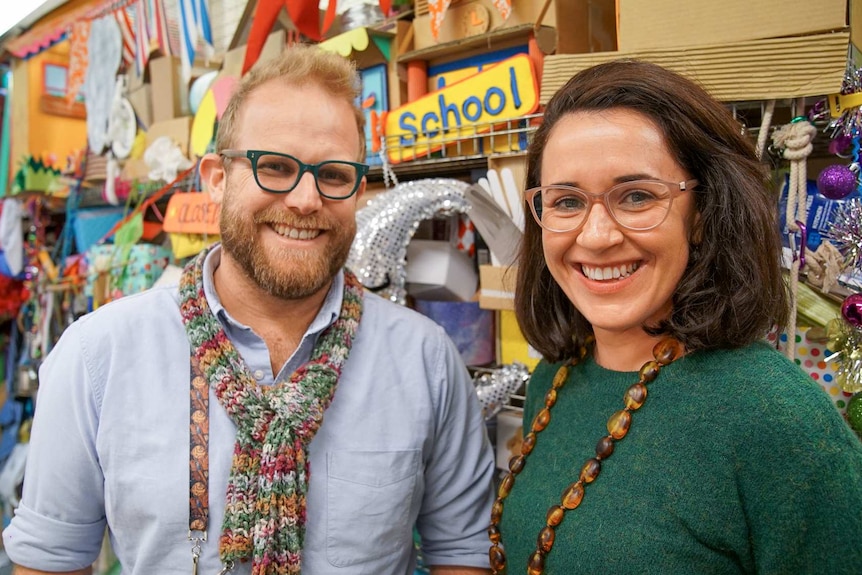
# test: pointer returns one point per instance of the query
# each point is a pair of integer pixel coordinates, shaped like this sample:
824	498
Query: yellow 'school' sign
466	108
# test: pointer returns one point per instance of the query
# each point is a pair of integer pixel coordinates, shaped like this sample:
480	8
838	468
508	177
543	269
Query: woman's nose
600	230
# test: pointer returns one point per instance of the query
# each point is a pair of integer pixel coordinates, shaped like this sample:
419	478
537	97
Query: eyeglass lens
635	205
280	173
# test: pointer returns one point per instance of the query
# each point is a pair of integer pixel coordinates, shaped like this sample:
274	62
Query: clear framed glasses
637	205
280	173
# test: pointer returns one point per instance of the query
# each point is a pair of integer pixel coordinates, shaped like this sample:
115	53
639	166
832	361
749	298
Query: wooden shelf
546	37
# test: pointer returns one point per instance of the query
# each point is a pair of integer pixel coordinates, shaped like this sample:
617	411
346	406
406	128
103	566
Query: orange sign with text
192	213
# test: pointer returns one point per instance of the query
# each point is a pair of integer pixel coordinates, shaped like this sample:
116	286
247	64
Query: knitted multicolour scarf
265	508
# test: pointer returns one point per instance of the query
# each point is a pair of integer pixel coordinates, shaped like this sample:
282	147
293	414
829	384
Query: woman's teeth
609	273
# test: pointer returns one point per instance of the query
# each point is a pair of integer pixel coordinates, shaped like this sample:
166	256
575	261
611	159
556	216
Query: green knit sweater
737	463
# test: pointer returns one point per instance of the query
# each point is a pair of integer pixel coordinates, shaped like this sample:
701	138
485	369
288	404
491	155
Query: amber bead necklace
664	352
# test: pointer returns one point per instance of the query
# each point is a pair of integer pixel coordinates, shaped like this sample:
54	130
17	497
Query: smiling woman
630	278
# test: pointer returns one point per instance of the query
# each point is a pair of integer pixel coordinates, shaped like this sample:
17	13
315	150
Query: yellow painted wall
50	135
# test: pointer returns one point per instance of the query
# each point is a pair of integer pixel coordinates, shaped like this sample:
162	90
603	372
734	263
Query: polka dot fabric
811	356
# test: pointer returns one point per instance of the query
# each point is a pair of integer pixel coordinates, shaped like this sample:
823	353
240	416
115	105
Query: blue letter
444	113
513	83
402	123
465	107
501	95
425	119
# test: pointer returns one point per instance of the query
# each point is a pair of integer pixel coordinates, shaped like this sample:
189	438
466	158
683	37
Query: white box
438	271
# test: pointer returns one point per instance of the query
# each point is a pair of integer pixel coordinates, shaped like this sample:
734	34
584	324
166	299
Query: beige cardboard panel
497	287
141	100
178	129
168	92
647	24
756	70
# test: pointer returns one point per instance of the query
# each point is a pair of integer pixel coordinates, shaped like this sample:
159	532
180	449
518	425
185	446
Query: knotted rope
795	142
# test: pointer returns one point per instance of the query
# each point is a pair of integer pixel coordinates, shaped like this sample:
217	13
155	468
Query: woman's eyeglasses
637	205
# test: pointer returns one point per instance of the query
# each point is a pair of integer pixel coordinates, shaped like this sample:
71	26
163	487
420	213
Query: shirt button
258	375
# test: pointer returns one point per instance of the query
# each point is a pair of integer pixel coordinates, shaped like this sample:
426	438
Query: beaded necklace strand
664	352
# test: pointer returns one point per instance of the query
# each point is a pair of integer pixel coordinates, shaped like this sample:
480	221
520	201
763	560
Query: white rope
765	123
795	141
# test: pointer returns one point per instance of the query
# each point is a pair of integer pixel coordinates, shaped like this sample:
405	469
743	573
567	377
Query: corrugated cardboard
793	67
169	92
648	24
497	287
584	25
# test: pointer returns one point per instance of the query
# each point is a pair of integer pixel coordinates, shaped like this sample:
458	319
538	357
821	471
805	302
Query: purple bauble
851	309
836	182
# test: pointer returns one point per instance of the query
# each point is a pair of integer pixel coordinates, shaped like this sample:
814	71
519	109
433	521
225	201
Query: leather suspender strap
199	427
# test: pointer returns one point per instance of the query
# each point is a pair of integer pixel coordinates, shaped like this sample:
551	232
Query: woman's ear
213	176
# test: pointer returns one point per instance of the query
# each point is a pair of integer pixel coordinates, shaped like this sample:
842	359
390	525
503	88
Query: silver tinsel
846	234
385	226
495	388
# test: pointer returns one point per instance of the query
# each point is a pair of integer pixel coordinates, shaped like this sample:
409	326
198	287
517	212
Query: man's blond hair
298	65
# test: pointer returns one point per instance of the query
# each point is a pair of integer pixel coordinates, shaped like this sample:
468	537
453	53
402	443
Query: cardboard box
141	100
647	24
170	95
497	287
438	271
272	48
585	25
178	129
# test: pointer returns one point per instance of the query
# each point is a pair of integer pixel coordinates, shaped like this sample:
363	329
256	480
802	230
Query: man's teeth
295	233
609	273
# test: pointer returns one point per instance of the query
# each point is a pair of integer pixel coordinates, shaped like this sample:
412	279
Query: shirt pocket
369	496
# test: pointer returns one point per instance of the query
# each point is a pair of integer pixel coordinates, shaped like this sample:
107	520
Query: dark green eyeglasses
280	173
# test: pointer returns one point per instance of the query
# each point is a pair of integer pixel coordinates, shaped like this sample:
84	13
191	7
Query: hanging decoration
163	39
845	340
79	40
795	142
106	41
386	225
305	15
124	23
846	234
194	27
142	36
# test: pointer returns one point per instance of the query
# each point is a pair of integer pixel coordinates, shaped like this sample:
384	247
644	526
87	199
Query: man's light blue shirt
402	443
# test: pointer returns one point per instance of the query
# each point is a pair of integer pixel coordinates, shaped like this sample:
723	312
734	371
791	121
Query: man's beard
286	274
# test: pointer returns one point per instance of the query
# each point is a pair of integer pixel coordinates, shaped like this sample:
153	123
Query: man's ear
361	191
213	176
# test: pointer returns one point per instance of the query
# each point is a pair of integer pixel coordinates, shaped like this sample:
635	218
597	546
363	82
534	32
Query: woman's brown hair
732	291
